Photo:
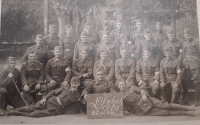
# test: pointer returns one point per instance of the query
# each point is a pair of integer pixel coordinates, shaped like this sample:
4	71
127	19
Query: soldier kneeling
54	103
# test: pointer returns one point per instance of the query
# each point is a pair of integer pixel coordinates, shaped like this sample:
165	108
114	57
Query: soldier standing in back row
32	76
91	37
67	43
159	36
147	73
83	44
8	92
51	40
170	77
42	53
57	70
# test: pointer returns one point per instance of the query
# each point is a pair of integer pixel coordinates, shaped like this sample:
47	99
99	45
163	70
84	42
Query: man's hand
144	98
129	42
156	82
26	88
85	97
141	82
10	75
65	83
85	75
67	69
181	50
179	71
37	87
126	113
53	82
43	101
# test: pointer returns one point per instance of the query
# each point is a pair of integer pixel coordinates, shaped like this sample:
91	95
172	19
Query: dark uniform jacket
136	37
68	42
175	45
66	96
146	70
79	46
125	69
51	41
96	86
80	67
168	70
7	83
115	36
92	38
55	70
32	73
111	47
42	54
192	47
108	67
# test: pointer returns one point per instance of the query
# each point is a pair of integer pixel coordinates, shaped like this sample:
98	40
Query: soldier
191	73
173	43
57	70
91	37
148	41
8	91
116	34
32	76
125	68
111	47
68	42
51	40
100	33
83	44
83	68
190	44
159	36
54	103
41	51
147	73
142	104
170	77
137	35
105	64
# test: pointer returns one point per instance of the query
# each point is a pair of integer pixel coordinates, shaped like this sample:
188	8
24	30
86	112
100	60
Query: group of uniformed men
152	70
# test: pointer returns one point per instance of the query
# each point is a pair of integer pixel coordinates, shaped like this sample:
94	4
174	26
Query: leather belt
59	102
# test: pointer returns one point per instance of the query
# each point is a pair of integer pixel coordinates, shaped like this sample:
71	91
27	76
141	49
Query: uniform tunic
191	47
108	67
136	37
81	45
55	70
42	54
112	48
125	69
115	36
8	92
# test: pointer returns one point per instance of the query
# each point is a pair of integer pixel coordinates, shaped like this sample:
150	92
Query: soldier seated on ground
170	77
105	64
147	73
32	76
54	103
83	68
125	68
142	104
9	95
57	70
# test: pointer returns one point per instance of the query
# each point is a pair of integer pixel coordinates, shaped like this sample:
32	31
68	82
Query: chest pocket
149	67
170	67
83	67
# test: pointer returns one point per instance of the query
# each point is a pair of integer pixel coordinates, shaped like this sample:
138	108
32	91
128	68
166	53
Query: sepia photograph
100	62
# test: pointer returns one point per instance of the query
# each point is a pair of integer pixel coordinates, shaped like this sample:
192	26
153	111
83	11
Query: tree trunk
61	21
173	23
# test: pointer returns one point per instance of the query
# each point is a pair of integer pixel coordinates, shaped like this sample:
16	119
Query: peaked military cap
147	31
68	27
57	48
52	26
10	58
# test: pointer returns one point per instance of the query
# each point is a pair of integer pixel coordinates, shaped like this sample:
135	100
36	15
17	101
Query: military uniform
108	67
31	75
8	92
191	47
56	103
115	36
136	37
125	69
42	54
153	48
81	45
68	43
50	42
112	49
80	67
169	75
56	70
153	106
147	70
159	37
175	45
92	38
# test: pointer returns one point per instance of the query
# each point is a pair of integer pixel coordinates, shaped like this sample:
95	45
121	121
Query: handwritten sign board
104	105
